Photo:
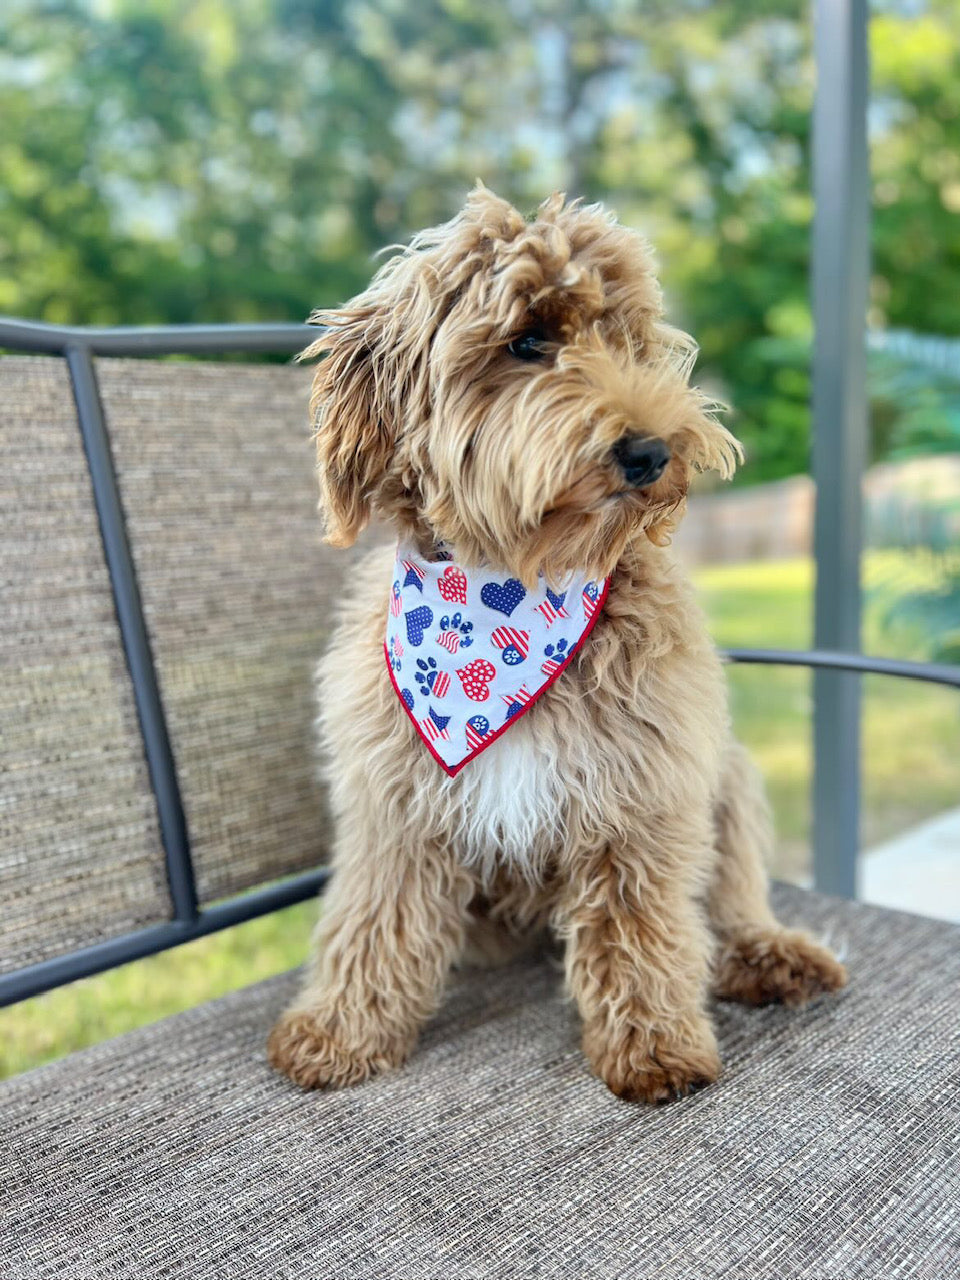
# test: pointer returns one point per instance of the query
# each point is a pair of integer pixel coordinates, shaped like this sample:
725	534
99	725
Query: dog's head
509	387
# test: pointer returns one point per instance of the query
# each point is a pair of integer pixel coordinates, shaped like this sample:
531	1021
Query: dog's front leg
392	924
638	961
759	961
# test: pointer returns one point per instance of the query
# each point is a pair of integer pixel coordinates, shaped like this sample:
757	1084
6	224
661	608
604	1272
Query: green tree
175	160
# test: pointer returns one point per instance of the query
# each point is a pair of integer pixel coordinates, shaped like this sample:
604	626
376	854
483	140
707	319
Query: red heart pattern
452	585
475	678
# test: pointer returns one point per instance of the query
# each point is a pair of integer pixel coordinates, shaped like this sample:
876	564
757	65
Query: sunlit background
188	160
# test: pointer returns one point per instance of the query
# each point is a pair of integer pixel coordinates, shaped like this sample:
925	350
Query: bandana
470	650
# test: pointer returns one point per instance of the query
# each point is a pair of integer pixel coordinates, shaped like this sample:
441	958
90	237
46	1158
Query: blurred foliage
914	409
178	160
918	615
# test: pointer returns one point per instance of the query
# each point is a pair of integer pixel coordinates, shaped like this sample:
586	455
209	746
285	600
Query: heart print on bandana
417	622
475	678
504	597
452	585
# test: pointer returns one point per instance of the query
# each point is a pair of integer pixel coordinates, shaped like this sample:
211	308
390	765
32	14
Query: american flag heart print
503	637
591	601
477	729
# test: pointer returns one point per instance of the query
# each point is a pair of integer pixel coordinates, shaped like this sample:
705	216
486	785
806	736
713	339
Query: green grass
760	605
769	605
92	1009
911	732
911	770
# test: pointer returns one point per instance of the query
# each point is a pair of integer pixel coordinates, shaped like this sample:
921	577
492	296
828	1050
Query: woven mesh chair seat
828	1150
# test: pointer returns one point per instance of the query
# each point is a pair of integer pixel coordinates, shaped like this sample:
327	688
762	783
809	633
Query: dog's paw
640	1065
302	1049
766	966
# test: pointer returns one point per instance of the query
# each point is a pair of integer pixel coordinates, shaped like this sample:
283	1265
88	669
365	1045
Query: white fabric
470	650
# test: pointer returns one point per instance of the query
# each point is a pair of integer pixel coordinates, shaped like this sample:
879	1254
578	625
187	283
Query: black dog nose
642	459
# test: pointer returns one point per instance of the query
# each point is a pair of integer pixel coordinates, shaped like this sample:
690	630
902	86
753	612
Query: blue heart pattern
503	598
417	622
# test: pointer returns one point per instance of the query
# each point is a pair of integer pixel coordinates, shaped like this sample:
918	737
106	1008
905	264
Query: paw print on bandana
555	655
455	633
426	674
430	680
591	600
396	653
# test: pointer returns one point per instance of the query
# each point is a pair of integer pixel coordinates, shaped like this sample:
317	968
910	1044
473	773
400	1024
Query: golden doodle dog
507	396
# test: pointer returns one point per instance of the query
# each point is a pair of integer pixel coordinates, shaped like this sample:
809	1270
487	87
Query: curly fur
642	849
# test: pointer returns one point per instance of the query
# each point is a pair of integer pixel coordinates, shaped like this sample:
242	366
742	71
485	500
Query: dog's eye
531	345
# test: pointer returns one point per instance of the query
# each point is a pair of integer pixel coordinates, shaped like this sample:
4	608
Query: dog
508	396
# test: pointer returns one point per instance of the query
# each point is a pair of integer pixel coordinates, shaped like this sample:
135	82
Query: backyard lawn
911	731
912	770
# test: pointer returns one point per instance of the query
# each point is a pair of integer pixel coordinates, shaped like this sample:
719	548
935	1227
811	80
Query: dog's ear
354	437
372	384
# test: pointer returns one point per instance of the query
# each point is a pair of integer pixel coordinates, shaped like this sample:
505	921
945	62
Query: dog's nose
642	459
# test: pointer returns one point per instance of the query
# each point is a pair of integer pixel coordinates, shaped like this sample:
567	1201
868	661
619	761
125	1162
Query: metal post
841	230
133	631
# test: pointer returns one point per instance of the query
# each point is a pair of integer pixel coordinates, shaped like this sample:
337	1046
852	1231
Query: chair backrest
168	529
215	476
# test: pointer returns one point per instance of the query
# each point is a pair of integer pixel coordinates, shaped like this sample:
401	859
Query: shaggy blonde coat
474	394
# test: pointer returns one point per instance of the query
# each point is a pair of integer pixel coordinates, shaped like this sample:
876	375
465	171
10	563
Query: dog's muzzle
642	459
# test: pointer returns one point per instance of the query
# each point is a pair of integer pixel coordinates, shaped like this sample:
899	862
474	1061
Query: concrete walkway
919	871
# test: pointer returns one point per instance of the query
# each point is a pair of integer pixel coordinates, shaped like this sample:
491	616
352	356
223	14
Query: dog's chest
511	805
